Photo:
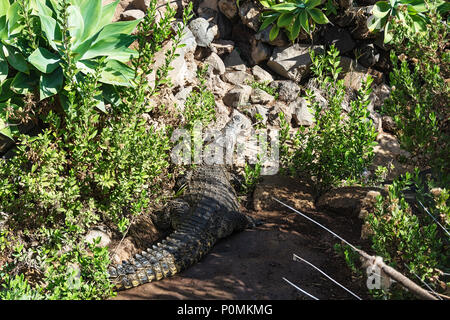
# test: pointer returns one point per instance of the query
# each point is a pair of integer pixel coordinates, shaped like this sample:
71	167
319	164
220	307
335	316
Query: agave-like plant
292	15
82	34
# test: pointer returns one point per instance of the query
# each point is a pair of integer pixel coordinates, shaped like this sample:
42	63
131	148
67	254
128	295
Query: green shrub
419	99
293	16
85	168
339	146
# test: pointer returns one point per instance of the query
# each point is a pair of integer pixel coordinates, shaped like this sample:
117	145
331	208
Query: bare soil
251	264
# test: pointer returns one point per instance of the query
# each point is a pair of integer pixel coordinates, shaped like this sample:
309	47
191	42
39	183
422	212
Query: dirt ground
252	264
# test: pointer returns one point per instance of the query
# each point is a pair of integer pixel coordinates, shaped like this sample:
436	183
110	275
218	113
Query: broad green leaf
381	9
116	73
24	83
296	27
284	7
443	8
100	105
44	60
107	13
113	45
393	3
50	83
268	21
5	129
4	6
387	34
317	16
110	94
15	59
285	19
120	27
304	20
13	18
313	3
51	29
75	23
6	92
265	4
3	69
419	24
374	23
3	28
91	11
274	32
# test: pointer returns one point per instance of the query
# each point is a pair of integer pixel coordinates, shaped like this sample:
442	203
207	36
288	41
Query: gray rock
134	14
215	63
250	15
388	124
234	61
261	75
259	96
105	239
228	8
262	110
237	77
222	47
238	96
203	32
353	72
341	38
273	116
292	62
288	90
301	115
280	41
260	52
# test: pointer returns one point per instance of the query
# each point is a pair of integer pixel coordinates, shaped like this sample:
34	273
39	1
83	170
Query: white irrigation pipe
340	285
376	261
435	220
300	289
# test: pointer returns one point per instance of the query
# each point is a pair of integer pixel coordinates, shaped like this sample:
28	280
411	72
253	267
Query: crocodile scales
210	212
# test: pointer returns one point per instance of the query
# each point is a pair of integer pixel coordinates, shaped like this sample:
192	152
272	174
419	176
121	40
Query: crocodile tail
177	252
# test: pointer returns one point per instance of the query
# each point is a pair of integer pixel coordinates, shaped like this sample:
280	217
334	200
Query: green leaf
269	20
3	69
15	59
3	28
274	32
91	11
304	21
4	6
284	7
23	83
317	16
13	18
50	28
116	73
107	14
265	3
313	3
419	24
44	60
75	24
387	35
117	44
285	19
5	89
296	27
50	83
381	9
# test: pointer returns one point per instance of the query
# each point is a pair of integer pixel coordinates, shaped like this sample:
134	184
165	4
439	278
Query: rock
210	4
287	90
141	4
223	47
261	110
124	251
389	124
292	62
260	52
237	77
217	21
228	8
215	63
259	96
203	32
234	61
238	96
378	95
280	41
353	72
250	15
340	38
301	115
261	75
273	117
319	94
105	239
134	14
369	55
218	87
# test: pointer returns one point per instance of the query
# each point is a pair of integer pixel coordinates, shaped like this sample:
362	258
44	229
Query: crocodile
207	212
